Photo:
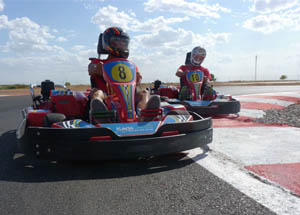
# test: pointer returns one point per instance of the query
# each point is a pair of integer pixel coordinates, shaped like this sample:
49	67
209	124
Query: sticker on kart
198	103
120	71
195	76
135	128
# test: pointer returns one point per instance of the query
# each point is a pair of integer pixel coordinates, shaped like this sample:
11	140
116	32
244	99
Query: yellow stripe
128	101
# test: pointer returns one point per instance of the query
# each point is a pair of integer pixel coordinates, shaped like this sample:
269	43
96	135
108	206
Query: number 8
122	73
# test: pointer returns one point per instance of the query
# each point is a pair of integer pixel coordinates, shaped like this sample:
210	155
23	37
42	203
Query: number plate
120	71
195	76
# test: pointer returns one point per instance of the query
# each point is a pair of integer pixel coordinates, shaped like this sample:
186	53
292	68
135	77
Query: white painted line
251	113
268	101
270	195
291	94
258	145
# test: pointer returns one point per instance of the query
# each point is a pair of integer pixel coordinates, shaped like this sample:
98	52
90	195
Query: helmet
157	84
116	42
198	55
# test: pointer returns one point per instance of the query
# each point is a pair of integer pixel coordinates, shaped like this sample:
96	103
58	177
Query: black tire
51	118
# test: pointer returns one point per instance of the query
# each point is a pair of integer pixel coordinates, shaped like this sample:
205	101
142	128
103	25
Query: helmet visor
198	58
119	43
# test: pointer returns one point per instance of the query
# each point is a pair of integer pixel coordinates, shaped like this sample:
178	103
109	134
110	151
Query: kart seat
71	104
168	92
100	48
188	58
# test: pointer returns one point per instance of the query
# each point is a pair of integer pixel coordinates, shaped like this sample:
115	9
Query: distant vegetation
14	86
213	77
283	77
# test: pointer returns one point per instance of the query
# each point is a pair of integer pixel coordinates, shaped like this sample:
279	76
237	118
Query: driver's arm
179	73
96	69
138	78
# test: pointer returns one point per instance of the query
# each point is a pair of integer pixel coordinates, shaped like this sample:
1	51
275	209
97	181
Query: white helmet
198	55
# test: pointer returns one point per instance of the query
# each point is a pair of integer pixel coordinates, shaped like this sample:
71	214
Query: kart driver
116	42
198	55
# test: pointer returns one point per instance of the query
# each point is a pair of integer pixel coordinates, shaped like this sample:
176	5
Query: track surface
167	185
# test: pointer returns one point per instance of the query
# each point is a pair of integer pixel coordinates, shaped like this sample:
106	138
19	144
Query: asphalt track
174	184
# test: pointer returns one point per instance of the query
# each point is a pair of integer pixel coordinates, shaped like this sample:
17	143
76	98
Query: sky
54	39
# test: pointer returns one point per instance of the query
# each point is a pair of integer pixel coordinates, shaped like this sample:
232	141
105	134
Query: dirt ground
145	85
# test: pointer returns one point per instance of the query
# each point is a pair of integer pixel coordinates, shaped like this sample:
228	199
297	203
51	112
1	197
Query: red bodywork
36	118
121	89
70	105
170	92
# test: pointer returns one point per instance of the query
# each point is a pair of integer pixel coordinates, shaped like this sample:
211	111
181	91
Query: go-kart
197	100
54	126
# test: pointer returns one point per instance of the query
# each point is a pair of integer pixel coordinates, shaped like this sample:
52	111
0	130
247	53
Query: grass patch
14	86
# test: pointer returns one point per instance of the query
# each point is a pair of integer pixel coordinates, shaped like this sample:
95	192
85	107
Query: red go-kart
54	127
196	99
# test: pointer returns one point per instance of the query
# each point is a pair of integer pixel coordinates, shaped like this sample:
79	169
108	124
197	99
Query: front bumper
216	108
76	144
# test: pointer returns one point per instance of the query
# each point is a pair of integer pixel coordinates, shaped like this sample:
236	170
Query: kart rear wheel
51	118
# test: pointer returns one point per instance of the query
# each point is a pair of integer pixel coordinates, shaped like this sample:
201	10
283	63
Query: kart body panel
104	143
120	74
210	108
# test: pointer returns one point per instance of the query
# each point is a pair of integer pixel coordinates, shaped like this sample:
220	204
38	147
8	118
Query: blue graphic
198	103
61	92
38	111
76	123
134	128
176	119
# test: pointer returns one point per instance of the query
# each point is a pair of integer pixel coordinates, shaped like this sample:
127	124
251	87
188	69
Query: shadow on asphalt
20	168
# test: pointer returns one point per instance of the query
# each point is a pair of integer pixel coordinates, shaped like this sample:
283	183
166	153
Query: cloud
178	38
59	67
193	9
156	24
1	5
33	55
26	36
268	6
62	39
78	48
34	69
90	4
269	23
110	16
